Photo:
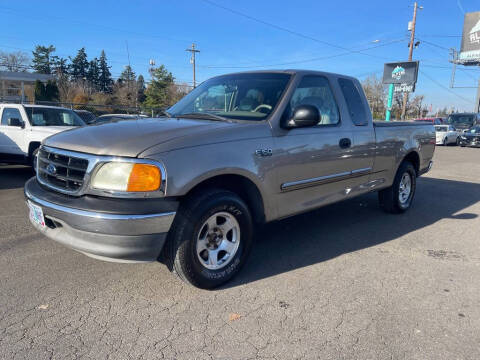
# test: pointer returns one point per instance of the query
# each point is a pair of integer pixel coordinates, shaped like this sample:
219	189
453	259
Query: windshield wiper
166	113
200	115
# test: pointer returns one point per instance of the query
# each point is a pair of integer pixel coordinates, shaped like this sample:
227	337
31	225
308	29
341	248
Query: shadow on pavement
15	176
352	225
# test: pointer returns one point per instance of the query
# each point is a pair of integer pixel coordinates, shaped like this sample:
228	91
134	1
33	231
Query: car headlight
127	177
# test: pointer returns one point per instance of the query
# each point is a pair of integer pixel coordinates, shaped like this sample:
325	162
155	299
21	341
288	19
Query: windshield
466	119
441	128
239	96
39	116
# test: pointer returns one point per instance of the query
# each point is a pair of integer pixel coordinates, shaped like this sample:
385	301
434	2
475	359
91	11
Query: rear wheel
398	197
458	141
210	239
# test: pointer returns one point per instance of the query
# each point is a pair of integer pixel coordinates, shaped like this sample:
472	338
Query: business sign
400	72
470	49
404	88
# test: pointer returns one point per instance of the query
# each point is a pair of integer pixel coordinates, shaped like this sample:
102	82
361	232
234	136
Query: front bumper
123	230
470	143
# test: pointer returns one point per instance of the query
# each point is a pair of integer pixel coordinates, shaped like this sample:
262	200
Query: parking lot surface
344	282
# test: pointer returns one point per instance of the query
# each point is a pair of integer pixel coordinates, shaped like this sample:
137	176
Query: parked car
446	134
278	143
24	127
471	137
434	121
463	121
87	116
115	117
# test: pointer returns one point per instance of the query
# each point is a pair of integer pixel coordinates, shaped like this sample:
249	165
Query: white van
23	127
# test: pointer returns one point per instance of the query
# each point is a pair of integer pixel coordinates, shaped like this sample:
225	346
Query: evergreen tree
105	81
39	91
127	75
140	89
51	91
59	66
157	93
93	74
79	67
46	92
42	59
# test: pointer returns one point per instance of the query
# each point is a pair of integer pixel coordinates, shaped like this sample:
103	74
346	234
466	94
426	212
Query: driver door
313	164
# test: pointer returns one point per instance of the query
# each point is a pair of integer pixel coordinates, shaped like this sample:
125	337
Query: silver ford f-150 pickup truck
238	150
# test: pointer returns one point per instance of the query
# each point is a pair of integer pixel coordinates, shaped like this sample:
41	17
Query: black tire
458	141
180	250
445	141
389	198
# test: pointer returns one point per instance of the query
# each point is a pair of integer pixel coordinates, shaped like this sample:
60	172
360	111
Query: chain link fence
96	109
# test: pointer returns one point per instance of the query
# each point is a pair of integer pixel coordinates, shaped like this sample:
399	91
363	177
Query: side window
354	102
9	113
316	91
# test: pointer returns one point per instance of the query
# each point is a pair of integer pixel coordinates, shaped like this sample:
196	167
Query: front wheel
210	239
398	197
458	141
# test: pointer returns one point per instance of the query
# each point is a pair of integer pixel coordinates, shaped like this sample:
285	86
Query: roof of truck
34	105
290	71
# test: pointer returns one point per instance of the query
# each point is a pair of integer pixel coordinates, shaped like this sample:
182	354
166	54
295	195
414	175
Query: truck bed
380	123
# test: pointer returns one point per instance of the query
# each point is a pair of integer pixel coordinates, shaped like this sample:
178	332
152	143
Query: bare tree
376	94
14	61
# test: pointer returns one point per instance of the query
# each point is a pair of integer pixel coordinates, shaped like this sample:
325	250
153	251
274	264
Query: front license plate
36	214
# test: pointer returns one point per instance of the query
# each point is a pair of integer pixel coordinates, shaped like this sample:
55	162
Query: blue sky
162	30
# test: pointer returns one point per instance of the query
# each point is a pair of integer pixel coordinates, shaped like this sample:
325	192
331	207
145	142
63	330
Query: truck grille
61	172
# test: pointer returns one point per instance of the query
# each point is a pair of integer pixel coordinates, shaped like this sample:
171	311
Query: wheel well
240	185
34	145
414	159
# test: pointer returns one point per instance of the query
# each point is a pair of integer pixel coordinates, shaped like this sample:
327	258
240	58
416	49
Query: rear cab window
355	105
9	113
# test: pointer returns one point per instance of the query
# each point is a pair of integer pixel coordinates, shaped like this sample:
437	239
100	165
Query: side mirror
15	122
304	116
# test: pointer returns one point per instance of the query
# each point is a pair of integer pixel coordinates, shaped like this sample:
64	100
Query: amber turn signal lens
144	177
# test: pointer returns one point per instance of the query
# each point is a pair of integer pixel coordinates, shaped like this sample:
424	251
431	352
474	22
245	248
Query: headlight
127	177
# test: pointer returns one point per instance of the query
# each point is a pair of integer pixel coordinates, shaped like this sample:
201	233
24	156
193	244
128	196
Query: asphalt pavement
343	282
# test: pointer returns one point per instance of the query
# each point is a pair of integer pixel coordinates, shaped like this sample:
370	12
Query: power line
297	61
432	44
284	29
444	87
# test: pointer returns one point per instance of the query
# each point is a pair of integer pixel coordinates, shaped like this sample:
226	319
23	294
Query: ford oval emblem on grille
51	169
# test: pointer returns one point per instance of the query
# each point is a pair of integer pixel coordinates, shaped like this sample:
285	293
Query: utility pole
410	53
192	61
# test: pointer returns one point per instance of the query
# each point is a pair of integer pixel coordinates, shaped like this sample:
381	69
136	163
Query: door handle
345	143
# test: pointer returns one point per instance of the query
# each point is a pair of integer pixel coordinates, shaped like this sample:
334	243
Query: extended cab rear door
363	147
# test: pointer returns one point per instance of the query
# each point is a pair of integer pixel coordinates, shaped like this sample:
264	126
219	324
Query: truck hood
130	137
50	130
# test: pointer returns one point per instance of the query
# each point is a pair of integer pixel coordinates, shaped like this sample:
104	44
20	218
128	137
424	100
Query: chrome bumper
112	237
